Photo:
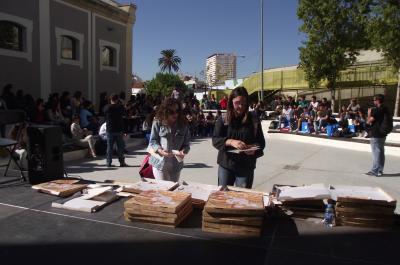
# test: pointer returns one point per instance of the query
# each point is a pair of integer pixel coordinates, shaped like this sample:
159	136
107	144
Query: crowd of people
316	117
170	122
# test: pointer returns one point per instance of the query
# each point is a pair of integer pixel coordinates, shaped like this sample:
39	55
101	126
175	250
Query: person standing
238	130
381	124
223	103
115	125
169	141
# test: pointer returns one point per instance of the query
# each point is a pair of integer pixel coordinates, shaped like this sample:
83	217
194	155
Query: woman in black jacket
238	130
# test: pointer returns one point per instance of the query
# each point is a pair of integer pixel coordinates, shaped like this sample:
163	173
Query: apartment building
220	67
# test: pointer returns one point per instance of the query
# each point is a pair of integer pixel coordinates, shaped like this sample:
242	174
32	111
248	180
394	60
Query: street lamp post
262	50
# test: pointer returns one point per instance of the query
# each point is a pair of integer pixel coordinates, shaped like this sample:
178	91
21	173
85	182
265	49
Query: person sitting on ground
313	106
76	102
40	111
303	103
260	110
325	104
360	122
18	133
320	122
82	137
88	120
353	108
305	116
343	112
287	115
55	116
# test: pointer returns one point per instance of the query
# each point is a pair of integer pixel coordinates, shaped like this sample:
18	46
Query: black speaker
45	154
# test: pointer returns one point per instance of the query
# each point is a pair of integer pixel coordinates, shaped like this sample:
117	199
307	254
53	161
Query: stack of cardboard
303	201
159	207
60	187
199	192
234	213
148	184
363	206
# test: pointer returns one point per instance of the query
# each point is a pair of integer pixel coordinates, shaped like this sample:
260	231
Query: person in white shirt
82	137
287	116
103	131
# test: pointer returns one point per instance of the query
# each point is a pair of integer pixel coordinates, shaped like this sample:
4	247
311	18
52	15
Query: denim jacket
175	138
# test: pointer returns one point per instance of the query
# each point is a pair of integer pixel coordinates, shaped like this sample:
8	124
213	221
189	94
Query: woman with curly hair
169	140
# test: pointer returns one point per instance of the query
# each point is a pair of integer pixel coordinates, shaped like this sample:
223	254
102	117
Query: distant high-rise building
220	67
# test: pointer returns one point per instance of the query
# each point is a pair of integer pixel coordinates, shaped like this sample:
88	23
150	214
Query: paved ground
32	231
288	159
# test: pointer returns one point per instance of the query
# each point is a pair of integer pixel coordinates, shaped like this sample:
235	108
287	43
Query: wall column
45	53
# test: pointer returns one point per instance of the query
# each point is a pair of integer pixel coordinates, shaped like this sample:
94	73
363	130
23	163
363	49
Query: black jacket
249	132
114	118
380	114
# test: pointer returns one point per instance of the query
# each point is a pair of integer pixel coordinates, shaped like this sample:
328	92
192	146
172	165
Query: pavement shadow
88	167
391	175
198	140
138	153
196	165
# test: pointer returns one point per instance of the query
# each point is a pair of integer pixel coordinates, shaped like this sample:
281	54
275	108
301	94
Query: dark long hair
164	111
230	111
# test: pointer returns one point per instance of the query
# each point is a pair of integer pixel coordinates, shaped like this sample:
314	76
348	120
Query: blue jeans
118	139
228	177
378	154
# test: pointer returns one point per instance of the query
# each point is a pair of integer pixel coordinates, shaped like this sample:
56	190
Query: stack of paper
234	213
159	207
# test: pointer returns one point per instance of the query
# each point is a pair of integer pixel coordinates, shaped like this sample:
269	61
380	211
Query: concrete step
84	153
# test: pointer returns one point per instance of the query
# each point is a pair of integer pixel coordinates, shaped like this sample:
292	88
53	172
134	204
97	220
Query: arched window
68	48
11	36
108	56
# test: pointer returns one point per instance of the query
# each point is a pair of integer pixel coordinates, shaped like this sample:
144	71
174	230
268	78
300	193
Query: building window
11	35
68	47
107	56
15	36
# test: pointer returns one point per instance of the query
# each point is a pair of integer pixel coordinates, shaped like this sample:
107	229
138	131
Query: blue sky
199	28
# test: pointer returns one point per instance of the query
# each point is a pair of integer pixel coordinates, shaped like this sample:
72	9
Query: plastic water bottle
329	215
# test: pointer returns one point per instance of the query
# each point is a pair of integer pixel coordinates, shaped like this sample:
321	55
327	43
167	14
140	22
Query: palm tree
169	60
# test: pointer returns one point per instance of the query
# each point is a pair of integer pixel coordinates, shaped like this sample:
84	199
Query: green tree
163	84
384	32
335	32
169	61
